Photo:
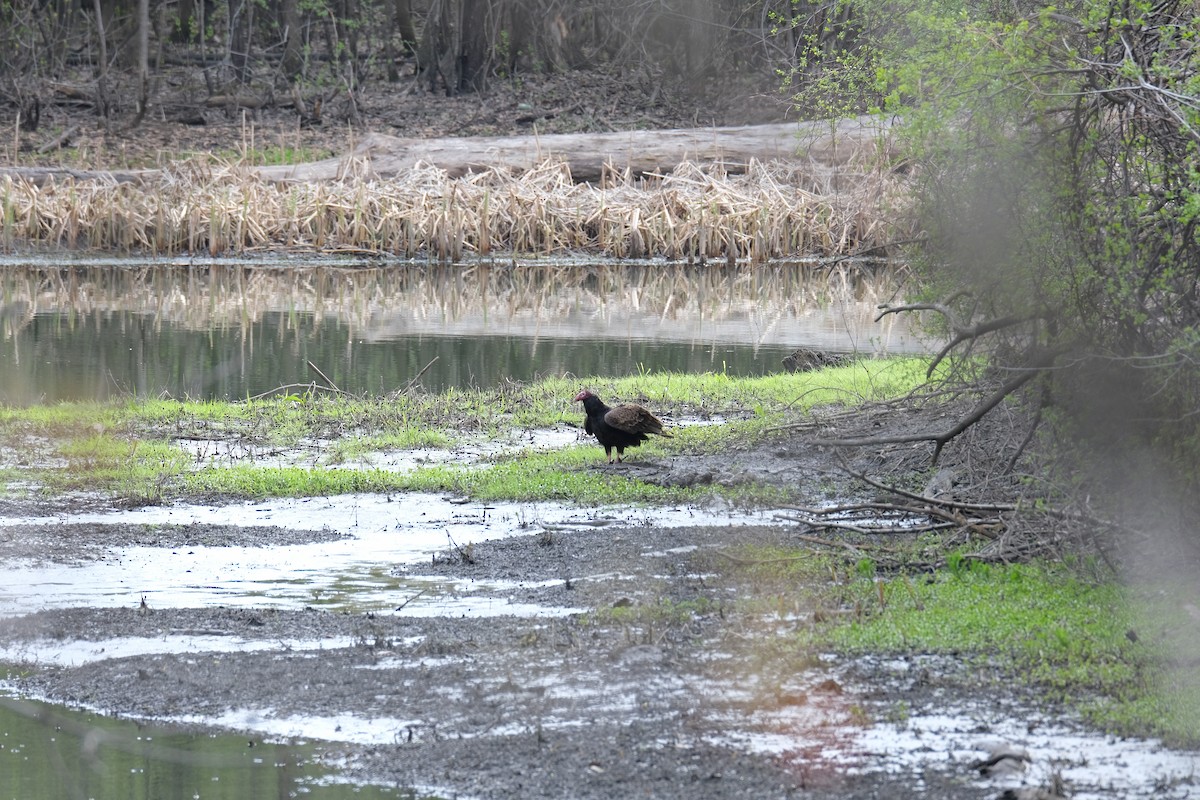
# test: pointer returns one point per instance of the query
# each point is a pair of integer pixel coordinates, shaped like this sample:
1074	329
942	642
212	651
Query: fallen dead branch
408	386
1004	528
978	412
324	377
311	387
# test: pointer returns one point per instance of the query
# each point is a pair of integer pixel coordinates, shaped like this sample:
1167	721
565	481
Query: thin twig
325	377
941	439
890	530
417	377
996	507
409	600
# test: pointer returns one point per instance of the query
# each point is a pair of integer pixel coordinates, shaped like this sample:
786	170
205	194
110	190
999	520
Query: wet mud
533	651
661	688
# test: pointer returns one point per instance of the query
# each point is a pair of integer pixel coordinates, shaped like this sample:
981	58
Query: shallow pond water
235	329
50	753
816	720
355	573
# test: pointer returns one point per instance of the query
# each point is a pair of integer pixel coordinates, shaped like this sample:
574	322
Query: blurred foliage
1053	153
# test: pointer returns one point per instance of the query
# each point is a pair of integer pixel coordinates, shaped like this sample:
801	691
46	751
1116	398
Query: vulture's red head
584	394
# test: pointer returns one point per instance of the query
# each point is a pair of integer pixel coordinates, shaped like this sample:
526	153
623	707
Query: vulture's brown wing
632	418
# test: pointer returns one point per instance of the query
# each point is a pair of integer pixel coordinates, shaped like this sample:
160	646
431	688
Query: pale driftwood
825	142
234	101
40	176
589	154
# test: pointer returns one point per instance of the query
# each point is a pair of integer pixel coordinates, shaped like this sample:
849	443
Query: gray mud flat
663	688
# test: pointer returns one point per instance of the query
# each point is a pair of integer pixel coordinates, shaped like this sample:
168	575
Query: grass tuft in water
140	471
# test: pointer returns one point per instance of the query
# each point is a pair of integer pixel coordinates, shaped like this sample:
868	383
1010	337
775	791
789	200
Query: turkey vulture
626	425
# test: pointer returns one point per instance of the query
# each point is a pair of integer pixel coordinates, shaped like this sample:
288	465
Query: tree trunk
402	26
186	26
239	38
143	61
822	145
475	54
457	47
102	71
292	63
405	27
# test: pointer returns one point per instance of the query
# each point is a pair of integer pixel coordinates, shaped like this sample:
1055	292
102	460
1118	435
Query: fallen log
588	155
39	176
825	143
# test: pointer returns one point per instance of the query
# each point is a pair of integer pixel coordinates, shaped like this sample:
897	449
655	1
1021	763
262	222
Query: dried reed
694	213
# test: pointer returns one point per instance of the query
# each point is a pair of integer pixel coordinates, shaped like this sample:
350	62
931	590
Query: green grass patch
1064	631
1121	655
125	447
60	419
720	393
1098	646
142	471
256	482
409	438
541	476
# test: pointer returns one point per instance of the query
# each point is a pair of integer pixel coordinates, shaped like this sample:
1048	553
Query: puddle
355	573
832	730
809	720
208	453
1092	765
812	719
48	753
341	728
74	653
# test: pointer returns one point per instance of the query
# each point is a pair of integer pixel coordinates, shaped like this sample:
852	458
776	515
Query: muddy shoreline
662	688
596	654
586	705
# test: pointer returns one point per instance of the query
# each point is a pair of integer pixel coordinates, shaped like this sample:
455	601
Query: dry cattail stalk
694	212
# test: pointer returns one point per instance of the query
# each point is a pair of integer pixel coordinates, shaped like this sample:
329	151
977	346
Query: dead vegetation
986	494
694	213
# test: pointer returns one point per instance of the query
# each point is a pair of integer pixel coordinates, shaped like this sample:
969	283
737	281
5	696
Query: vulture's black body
616	428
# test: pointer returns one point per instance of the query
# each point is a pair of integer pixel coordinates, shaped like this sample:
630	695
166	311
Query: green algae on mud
132	449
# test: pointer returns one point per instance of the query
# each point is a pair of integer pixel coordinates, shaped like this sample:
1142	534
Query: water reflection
233	330
48	753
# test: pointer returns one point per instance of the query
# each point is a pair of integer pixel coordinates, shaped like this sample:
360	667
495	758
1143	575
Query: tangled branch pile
1060	206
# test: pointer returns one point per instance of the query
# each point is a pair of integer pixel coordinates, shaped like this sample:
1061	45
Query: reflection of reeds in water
691	214
200	297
